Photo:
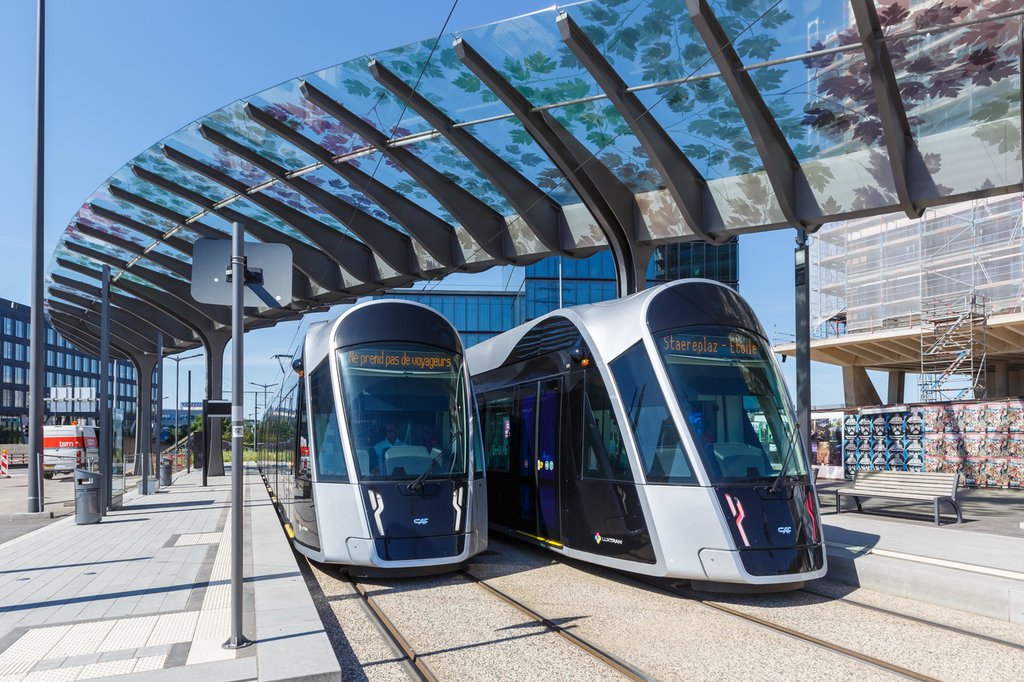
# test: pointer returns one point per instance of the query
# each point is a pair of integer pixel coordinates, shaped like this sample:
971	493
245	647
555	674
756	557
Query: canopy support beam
610	202
785	175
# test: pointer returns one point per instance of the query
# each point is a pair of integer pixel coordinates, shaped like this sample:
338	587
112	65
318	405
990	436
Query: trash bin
87	497
165	471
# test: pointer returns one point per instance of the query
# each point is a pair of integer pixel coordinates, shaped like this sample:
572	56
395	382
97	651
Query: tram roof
561	132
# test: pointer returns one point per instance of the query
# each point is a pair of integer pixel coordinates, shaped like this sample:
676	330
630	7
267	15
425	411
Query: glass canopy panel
763	30
961	90
286	103
606	135
190	142
646	42
395	178
438	153
705	123
351	84
528	51
233	122
155	160
125	179
326	179
254	212
508	138
446	83
293	199
826	109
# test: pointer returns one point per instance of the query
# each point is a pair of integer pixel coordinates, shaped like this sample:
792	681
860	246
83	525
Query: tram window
300	463
604	456
330	459
664	459
406	407
497	416
731	391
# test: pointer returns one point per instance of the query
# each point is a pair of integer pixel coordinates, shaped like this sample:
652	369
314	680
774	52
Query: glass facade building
562	282
65	366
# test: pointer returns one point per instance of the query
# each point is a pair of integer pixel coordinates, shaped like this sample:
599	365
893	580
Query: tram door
538	405
546	458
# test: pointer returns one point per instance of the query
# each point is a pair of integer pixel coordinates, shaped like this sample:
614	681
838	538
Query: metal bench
918	486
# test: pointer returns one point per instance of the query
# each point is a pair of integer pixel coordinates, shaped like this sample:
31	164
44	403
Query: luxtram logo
598	538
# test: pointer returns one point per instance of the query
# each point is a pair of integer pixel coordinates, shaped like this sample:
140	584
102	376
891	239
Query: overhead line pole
237	639
37	350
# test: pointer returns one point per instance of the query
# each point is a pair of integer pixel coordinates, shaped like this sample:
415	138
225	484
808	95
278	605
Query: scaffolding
877	274
953	350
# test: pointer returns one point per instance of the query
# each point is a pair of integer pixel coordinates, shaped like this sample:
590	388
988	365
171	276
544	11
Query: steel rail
608	659
796	634
914	619
417	666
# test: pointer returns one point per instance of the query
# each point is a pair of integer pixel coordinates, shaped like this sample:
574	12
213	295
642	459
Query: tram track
617	664
867	659
914	619
415	665
847	650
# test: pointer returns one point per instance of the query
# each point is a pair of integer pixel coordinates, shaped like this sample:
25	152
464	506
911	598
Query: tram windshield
406	409
732	397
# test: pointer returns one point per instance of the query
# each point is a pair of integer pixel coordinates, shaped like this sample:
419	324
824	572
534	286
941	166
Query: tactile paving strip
189	539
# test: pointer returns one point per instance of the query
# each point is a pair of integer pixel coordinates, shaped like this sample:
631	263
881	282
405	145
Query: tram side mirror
297	366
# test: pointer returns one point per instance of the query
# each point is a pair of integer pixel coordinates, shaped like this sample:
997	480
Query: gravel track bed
464	633
668	638
363	652
921	647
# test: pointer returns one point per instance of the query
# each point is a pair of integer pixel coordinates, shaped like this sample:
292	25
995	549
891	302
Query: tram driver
389	441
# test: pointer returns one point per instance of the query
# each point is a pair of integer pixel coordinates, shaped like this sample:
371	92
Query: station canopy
611	124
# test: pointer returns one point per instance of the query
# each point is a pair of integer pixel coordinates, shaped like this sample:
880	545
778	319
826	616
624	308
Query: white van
66	448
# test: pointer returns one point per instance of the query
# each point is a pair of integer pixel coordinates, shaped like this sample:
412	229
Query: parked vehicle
66	448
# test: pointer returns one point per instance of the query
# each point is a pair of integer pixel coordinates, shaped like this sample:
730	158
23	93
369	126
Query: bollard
3	464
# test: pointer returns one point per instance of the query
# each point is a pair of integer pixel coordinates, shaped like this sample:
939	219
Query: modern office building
65	366
553	283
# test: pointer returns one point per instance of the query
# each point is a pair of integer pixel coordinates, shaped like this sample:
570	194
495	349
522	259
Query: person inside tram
389	440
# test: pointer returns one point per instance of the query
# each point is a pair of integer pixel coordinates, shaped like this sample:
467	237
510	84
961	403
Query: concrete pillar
1000	386
897	387
1013	381
214	391
144	365
858	390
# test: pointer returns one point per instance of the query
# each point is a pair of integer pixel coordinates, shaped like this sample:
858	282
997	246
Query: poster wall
983	441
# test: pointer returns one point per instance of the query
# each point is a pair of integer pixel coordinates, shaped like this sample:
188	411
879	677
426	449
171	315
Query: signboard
211	259
401	360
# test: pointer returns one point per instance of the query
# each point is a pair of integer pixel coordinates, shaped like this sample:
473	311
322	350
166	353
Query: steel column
106	455
158	418
237	639
803	343
37	349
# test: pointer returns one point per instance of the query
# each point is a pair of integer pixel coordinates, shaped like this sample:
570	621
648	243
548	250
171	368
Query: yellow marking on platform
288	529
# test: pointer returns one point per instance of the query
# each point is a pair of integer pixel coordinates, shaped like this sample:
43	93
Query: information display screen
707	345
394	359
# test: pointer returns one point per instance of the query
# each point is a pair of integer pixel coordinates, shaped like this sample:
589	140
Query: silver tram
371	451
651	434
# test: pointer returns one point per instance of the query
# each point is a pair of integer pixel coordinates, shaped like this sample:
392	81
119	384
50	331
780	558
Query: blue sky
122	74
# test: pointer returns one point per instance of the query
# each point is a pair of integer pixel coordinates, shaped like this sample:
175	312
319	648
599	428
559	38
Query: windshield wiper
416	485
785	462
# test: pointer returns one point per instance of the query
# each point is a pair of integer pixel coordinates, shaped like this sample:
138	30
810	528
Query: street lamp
177	399
256	413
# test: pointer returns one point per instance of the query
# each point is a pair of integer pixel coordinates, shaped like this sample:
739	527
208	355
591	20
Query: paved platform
895	548
146	593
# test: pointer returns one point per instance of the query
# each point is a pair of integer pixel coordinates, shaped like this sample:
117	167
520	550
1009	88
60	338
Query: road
59	496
